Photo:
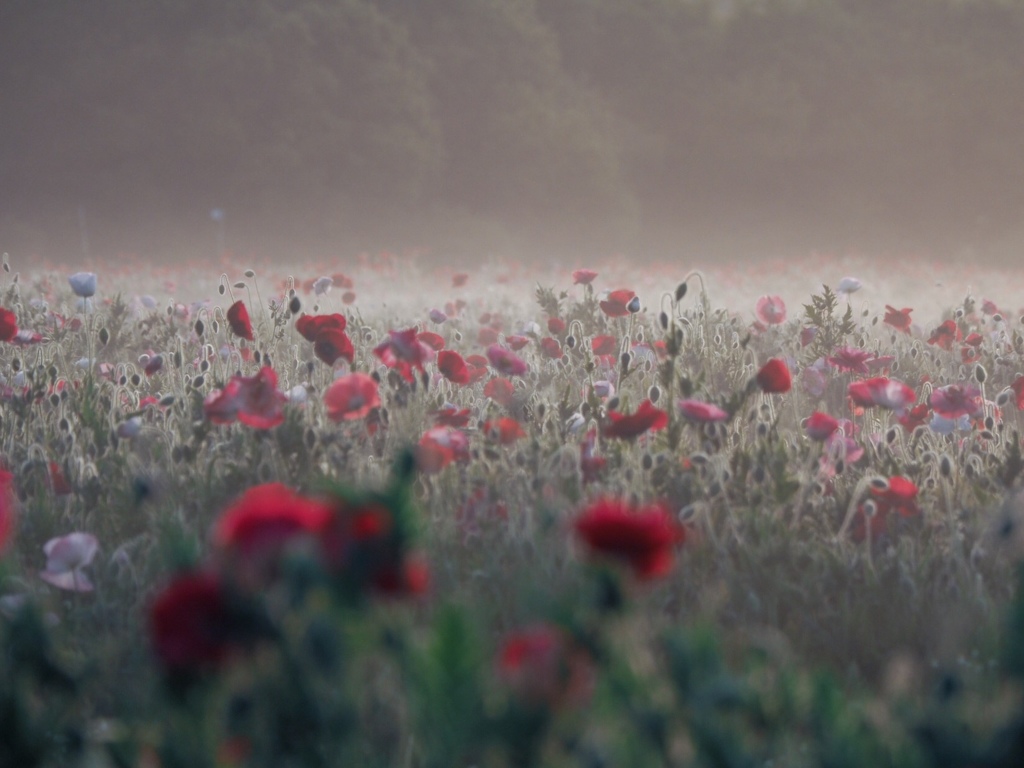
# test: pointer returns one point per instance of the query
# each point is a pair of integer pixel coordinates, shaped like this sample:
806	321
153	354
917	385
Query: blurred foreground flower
8	518
66	556
544	668
644	538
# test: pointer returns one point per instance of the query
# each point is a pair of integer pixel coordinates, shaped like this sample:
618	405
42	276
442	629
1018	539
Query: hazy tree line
575	123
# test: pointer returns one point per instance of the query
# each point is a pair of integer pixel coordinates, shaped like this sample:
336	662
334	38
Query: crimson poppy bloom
820	426
252	400
770	310
945	335
604	345
698	410
915	417
850	360
503	431
627	427
409	577
332	344
505	362
351	397
192	626
899	497
774	377
8	325
451	365
433	340
439	447
309	326
238	319
551	348
516	343
583	276
55	479
403	351
556	325
617	302
8	517
883	392
543	668
450	416
643	538
898	318
956	400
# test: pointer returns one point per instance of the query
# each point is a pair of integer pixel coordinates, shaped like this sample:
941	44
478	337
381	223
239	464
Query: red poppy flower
487	336
505	362
626	427
883	392
544	669
945	335
900	497
433	340
310	325
604	345
643	538
617	303
8	325
850	360
898	318
348	297
915	417
503	431
583	276
451	365
238	319
351	397
500	391
153	365
253	400
819	426
192	625
556	325
8	517
459	279
263	520
956	400
403	351
439	447
57	481
331	344
551	348
770	310
516	343
698	410
409	577
450	416
774	377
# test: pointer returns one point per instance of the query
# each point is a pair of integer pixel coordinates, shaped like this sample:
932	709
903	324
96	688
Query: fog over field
660	130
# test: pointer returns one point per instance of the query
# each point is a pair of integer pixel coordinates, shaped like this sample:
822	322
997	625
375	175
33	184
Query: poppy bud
980	374
7	267
870	508
136	380
634	305
945	465
663	320
249	274
199	327
624	360
890	436
613	404
654	393
294	305
647	462
198	381
166	401
570	341
238	286
104	336
680	291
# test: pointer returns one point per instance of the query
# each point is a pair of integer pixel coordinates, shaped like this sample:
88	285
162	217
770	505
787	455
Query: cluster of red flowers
203	617
327	332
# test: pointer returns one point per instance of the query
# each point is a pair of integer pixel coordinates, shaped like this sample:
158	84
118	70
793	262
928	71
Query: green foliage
820	314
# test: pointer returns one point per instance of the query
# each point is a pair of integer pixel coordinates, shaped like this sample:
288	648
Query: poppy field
381	513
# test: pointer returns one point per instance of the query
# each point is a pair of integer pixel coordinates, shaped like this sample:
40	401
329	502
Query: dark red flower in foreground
8	325
945	335
310	325
898	318
644	538
544	668
617	303
191	624
774	377
351	397
254	401
238	319
451	365
626	427
332	344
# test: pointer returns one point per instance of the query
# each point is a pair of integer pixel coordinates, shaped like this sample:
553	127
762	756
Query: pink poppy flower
850	359
698	410
583	276
66	557
551	348
505	362
956	400
351	397
770	310
883	392
253	400
403	351
516	343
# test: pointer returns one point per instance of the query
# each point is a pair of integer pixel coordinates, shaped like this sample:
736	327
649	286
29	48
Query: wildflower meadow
375	512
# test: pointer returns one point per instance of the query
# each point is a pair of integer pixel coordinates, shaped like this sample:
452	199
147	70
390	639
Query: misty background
574	127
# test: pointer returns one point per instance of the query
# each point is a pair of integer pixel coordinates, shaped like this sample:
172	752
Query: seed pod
680	291
249	274
166	401
570	341
879	483
199	328
136	380
945	465
663	320
198	381
104	336
221	289
654	393
238	286
294	305
980	374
